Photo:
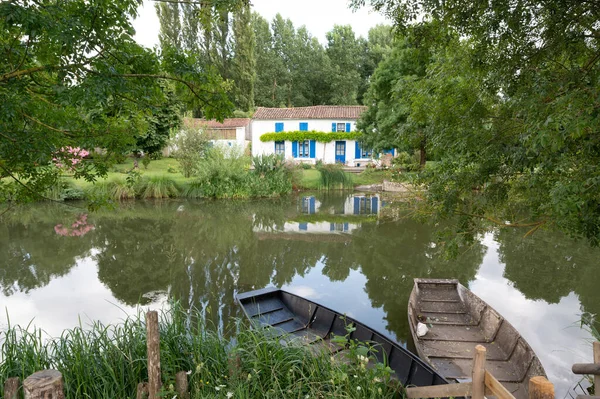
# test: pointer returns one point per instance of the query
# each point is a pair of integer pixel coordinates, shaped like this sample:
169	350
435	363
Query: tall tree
375	49
169	17
266	62
343	49
244	59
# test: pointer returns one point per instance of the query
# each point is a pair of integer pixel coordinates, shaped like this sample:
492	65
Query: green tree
537	147
343	49
374	50
71	75
244	60
169	16
390	122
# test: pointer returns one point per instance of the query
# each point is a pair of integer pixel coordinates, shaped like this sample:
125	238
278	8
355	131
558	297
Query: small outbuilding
231	132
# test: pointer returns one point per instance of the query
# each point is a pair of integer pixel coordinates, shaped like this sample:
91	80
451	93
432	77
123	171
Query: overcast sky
319	16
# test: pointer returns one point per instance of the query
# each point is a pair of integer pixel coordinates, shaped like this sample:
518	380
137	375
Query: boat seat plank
462	350
289	326
442	307
274	318
462	319
441	332
461	368
262	305
446	294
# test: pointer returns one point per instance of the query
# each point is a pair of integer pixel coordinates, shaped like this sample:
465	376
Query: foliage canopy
512	109
71	75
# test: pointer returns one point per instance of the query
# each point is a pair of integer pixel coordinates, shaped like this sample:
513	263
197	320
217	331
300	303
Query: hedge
321	137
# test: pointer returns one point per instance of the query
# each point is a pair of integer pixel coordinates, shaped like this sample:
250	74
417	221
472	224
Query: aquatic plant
108	361
334	177
157	187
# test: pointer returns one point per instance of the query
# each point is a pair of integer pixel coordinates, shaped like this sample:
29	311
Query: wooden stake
142	390
181	385
478	376
43	385
11	388
153	345
540	388
597	361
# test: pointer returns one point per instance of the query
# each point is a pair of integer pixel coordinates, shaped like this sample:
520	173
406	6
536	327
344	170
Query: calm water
58	265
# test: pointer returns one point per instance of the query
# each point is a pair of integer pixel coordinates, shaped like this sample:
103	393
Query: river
60	266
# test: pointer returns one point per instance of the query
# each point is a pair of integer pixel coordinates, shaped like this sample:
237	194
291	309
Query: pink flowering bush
69	157
78	229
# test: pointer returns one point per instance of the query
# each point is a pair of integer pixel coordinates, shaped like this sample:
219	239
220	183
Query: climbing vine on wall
321	137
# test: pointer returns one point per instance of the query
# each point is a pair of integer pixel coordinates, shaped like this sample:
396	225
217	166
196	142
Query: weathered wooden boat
293	317
457	321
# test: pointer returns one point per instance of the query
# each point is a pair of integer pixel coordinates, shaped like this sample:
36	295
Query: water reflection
332	248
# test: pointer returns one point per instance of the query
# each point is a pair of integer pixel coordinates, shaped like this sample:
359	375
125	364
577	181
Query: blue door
340	152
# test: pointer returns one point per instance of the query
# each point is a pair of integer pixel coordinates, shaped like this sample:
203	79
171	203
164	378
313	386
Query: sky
319	16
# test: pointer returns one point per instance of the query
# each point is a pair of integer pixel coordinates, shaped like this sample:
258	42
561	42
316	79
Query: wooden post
540	388
11	388
181	385
44	385
597	361
153	345
142	390
478	375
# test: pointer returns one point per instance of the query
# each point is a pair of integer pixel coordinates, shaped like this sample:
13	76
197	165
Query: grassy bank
109	361
163	179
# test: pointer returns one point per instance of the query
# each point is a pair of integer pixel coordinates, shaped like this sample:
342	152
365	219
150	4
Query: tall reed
100	361
333	177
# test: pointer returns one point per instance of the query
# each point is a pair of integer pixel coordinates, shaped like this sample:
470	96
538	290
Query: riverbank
99	361
163	179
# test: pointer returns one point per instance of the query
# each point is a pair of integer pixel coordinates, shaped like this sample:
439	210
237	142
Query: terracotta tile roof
316	112
212	124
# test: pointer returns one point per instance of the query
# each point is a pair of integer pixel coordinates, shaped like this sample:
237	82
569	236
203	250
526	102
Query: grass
108	361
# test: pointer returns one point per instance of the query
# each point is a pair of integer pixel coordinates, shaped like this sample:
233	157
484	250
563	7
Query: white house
322	118
229	133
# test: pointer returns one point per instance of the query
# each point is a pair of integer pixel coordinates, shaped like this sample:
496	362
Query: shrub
264	164
190	146
64	190
157	187
306	166
146	161
223	173
334	177
115	189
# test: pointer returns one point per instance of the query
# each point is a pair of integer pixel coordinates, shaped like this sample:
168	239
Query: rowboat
295	318
447	321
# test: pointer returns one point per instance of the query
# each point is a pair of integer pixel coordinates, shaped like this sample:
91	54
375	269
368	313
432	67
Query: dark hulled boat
295	317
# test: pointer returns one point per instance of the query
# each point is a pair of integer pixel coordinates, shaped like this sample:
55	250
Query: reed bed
108	361
333	177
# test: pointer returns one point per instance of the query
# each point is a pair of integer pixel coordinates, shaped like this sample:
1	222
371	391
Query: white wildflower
358	388
229	395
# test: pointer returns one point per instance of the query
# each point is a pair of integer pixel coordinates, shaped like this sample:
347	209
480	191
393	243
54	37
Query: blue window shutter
346	227
331	226
333	127
278	127
303	126
348	127
356	205
295	149
303	226
311	203
313	148
374	204
356	150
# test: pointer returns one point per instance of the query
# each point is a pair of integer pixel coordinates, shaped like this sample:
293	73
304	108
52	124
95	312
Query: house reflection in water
323	217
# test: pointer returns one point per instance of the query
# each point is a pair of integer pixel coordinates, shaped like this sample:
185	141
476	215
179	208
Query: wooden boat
294	317
457	321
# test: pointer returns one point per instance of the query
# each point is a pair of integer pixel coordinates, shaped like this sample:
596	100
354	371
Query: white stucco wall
323	151
240	140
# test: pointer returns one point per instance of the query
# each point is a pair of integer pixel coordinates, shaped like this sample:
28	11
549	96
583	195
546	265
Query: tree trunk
423	159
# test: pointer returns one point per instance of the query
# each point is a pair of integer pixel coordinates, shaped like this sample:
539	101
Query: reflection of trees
396	253
549	266
32	254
